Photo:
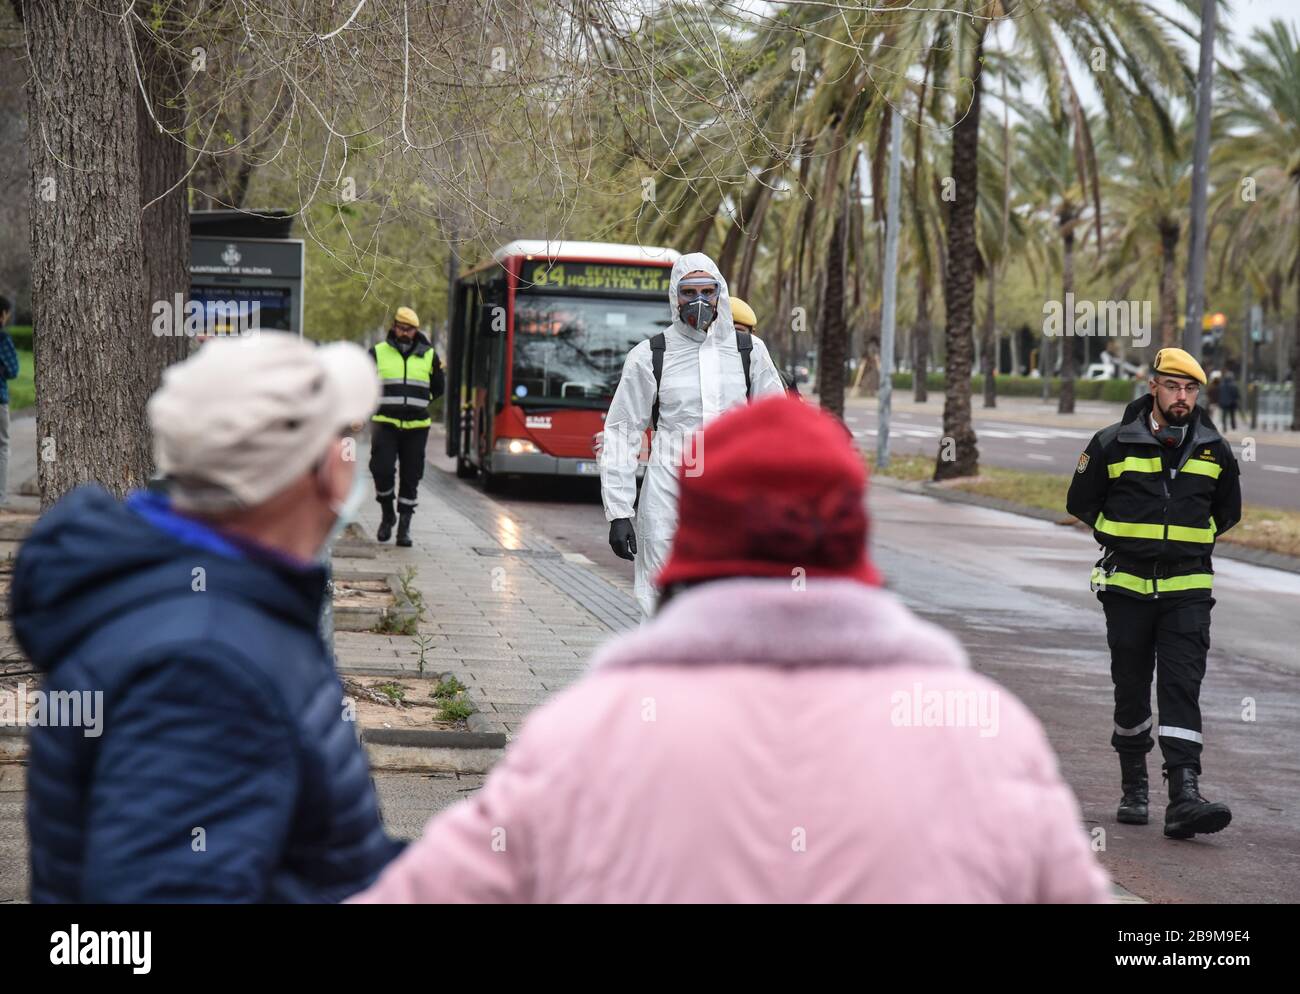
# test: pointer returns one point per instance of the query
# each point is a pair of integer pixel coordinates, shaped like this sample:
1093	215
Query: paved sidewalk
512	615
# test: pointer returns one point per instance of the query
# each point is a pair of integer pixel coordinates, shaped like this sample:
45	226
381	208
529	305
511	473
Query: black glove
622	538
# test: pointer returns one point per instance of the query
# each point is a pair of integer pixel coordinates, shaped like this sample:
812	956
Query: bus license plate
588	469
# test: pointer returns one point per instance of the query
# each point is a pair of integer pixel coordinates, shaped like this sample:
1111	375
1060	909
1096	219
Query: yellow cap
407	316
1176	362
742	313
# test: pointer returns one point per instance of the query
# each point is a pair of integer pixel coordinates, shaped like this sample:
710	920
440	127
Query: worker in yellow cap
745	320
412	378
1158	488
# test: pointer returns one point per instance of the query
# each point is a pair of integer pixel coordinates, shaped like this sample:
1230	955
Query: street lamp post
889	304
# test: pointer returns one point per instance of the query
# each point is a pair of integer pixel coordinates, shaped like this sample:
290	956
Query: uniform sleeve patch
1083	463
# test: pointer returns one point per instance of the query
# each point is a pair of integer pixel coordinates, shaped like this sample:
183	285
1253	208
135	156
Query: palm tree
1051	153
1140	61
1149	190
958	452
1263	97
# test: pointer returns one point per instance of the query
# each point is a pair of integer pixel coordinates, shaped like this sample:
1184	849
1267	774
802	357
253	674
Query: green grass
1029	386
448	688
910	468
1268	528
22	391
457	710
450	696
395	692
1045	491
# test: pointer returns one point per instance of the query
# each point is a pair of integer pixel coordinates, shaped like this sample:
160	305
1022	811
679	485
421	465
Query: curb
1225	550
402	611
387	748
432	749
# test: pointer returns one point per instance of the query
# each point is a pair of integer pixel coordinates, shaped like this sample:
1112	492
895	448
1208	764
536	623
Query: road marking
1035	441
1279	469
1035	455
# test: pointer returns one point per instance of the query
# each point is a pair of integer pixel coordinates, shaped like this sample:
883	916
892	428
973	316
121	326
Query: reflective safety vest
407	384
1157	512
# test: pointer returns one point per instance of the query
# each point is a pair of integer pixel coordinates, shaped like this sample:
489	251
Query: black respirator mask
1170	436
699	314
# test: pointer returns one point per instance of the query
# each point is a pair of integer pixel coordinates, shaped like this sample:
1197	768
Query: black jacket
1149	503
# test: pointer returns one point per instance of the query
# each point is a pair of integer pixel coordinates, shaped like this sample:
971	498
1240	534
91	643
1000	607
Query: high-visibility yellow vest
405	378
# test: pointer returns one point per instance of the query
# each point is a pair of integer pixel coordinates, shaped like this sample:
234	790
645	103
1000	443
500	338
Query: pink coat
756	742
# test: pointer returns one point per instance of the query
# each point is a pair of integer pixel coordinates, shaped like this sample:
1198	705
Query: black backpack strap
745	343
657	345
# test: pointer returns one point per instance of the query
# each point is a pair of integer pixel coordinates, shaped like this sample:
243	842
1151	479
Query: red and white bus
539	333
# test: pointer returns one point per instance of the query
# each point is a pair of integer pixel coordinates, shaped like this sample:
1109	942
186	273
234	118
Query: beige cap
244	417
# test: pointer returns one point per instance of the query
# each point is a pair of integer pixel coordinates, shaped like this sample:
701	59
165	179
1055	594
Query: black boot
389	519
1189	813
1133	778
404	528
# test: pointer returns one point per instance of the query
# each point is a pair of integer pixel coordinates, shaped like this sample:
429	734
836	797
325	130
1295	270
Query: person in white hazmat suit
702	376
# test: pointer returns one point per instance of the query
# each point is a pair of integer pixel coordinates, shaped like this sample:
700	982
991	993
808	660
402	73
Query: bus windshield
569	351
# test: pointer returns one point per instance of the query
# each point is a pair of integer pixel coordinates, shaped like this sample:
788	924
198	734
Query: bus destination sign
590	277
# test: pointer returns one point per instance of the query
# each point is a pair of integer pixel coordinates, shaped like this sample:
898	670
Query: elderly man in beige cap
223	762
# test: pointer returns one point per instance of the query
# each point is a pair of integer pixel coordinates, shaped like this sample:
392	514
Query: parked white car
1110	370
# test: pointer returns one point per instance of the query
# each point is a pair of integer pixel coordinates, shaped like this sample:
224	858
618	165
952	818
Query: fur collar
765	621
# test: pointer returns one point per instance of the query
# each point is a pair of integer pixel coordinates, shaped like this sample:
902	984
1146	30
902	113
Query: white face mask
344	513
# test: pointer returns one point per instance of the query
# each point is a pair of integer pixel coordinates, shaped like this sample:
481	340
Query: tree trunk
752	237
990	347
921	338
1066	403
958	453
164	224
1168	285
88	296
741	226
834	331
700	236
1295	362
869	379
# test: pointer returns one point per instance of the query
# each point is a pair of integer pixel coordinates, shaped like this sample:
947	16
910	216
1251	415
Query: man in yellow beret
745	320
1158	488
412	378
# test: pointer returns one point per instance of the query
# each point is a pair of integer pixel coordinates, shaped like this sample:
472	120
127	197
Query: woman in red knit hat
782	730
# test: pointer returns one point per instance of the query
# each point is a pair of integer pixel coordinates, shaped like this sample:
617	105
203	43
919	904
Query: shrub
1030	386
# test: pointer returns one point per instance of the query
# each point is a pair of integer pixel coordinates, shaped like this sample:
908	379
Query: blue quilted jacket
224	766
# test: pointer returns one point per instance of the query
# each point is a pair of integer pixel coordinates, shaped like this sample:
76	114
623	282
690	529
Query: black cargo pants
1169	637
389	447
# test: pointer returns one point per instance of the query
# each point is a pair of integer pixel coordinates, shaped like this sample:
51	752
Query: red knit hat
780	487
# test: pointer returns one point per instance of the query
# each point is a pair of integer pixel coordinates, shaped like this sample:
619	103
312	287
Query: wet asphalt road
1270	479
1014	590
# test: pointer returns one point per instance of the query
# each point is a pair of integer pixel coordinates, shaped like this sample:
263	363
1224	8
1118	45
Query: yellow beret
742	313
407	316
1176	362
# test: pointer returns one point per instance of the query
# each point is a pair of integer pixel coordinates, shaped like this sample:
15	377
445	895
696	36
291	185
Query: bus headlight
516	446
